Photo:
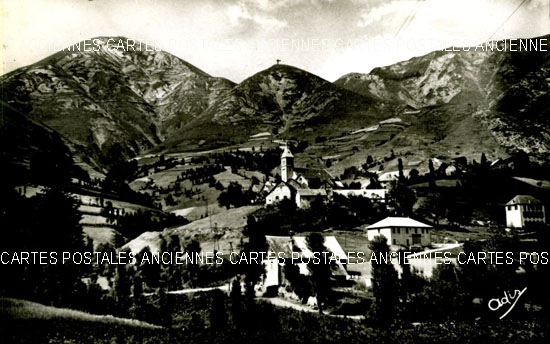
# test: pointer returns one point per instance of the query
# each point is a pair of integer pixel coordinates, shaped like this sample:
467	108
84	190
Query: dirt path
280	302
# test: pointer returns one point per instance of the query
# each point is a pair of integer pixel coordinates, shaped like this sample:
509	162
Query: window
407	242
277	197
394	241
393	230
407	233
416	239
416	231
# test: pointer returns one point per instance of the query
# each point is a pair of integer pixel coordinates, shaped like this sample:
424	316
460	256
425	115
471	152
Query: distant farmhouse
523	211
401	231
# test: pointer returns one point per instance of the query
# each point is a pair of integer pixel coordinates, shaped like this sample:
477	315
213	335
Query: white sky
237	38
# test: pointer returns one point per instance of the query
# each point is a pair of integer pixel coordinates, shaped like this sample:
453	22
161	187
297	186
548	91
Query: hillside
112	104
58	325
282	100
506	92
114	101
23	138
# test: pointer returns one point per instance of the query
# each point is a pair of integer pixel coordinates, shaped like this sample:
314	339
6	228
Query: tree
233	196
150	271
170	201
431	176
52	166
164	309
321	272
400	168
448	301
193	249
374	183
370	160
433	207
300	283
413	176
218	313
47	222
122	289
137	310
255	270
236	302
402	198
483	161
384	283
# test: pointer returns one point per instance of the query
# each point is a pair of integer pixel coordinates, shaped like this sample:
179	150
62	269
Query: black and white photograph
275	171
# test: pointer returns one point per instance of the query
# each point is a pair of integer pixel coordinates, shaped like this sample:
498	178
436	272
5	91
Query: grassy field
30	322
222	230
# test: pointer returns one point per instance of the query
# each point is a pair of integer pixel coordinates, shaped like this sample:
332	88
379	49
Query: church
293	186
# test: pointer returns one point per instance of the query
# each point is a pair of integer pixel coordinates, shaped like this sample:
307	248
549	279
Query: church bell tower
287	165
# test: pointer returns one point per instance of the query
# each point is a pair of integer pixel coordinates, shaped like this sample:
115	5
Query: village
405	236
287	209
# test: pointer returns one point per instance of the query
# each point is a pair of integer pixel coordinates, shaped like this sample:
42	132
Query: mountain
114	100
110	103
501	95
22	139
283	100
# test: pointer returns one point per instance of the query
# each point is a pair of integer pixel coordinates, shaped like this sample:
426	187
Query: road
280	302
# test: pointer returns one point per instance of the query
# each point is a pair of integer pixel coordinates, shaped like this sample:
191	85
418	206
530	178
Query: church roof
288	185
398	222
287	153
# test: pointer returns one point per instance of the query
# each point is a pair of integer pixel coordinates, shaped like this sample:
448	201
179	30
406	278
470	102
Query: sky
238	38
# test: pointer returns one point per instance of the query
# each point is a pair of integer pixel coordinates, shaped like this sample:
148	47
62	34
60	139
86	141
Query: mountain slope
508	93
116	101
281	99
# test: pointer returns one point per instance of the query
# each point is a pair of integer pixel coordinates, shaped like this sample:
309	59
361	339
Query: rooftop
398	222
298	244
523	199
312	192
287	153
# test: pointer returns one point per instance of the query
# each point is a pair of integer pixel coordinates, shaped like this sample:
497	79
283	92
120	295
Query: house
288	247
281	191
451	170
304	197
523	211
401	231
388	177
372	194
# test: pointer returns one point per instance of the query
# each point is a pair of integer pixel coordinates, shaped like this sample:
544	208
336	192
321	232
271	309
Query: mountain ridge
117	104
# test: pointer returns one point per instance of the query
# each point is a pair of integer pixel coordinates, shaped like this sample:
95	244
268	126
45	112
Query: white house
524	210
401	231
281	191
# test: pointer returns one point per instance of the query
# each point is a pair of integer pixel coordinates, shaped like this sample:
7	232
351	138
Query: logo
508	299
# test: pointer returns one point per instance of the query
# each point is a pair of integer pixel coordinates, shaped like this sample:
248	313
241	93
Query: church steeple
287	164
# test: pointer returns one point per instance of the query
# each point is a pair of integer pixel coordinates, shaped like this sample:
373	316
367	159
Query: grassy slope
30	322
